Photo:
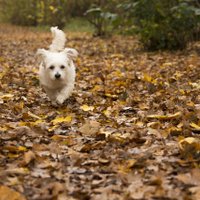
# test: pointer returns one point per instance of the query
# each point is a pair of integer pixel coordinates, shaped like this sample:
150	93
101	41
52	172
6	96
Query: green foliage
76	8
42	12
161	24
22	12
79	25
100	19
50	12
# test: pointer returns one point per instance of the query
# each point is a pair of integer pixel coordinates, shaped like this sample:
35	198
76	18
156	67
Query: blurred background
160	24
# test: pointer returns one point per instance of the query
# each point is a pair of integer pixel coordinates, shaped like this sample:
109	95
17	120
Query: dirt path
130	131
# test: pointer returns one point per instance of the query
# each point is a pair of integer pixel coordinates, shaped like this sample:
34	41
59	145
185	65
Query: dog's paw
60	99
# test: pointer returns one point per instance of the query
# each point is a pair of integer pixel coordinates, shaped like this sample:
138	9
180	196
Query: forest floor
130	131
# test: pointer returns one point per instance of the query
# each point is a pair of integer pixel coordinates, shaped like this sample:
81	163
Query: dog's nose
57	75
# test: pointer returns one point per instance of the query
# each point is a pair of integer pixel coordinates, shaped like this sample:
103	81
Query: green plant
162	24
100	19
21	12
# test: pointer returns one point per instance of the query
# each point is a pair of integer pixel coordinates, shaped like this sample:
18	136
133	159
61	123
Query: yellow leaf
168	64
182	91
7	193
189	144
59	137
195	127
19	106
39	121
63	140
149	79
58	120
107	112
23	123
87	108
3	128
53	128
11	148
19	170
51	8
34	123
21	148
97	88
2	59
117	55
28	157
12	155
33	115
190	103
130	163
6	96
189	140
126	167
118	137
111	95
195	85
165	117
174	130
140	124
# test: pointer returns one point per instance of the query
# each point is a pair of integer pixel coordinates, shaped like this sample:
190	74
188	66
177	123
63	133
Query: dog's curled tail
59	40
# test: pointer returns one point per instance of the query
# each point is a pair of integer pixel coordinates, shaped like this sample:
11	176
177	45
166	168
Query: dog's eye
51	67
62	67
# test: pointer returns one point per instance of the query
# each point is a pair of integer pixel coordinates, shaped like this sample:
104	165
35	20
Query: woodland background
160	24
131	129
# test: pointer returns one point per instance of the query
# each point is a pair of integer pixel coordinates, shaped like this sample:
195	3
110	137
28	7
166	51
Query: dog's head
57	64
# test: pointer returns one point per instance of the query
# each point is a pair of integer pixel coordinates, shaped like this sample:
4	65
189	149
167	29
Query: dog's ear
42	52
71	53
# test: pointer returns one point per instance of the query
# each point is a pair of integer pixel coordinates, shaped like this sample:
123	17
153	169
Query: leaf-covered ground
130	131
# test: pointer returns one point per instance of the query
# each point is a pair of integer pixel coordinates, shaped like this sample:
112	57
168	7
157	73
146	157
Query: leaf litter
130	131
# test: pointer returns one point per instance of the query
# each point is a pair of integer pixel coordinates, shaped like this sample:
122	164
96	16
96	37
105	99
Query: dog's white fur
57	70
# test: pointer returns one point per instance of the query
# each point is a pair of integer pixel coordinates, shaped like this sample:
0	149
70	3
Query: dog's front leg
64	94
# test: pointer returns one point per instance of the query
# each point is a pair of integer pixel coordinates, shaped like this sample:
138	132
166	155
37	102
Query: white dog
57	70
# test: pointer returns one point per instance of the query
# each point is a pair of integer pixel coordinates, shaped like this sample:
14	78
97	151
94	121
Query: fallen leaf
28	157
195	127
87	108
191	178
58	120
165	117
90	128
6	96
190	146
149	79
33	115
19	170
195	192
14	148
7	193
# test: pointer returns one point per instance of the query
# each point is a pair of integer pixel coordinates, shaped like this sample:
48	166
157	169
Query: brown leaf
90	128
7	193
192	178
28	157
165	117
195	192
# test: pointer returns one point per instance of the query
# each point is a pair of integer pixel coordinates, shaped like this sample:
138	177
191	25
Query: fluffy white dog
57	70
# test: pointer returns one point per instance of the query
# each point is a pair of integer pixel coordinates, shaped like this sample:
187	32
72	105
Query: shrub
42	12
101	20
22	12
51	13
162	24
